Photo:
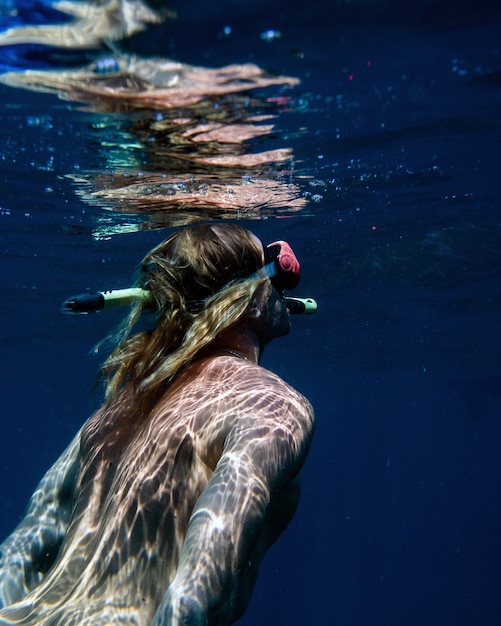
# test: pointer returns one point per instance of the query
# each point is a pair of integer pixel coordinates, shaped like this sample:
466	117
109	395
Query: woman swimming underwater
161	509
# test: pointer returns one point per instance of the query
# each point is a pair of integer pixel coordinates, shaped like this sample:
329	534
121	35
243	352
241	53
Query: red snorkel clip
286	271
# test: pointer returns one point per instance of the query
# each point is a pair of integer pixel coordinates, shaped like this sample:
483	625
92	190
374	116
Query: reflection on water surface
195	145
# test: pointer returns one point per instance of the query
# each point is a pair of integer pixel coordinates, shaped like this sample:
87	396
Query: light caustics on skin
138	485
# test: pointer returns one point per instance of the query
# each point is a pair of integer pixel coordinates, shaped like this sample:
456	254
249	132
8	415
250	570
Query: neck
240	342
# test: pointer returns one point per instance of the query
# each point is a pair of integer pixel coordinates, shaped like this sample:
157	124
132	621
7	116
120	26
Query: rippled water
381	168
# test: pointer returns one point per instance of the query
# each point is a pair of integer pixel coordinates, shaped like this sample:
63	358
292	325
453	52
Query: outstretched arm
27	554
263	453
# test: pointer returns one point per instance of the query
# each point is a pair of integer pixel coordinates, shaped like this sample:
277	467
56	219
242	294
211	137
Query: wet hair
201	283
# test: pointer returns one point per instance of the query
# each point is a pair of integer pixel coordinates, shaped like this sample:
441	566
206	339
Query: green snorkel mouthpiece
299	306
95	301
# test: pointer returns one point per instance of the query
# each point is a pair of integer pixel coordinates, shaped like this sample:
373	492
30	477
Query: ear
254	311
259	300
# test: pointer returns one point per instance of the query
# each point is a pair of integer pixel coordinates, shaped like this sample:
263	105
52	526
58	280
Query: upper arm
27	554
262	454
273	437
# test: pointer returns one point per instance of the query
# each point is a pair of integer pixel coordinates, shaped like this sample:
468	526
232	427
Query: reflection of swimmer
163	507
185	199
205	159
203	163
157	83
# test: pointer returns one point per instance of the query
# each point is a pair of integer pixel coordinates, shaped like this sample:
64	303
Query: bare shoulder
256	388
227	403
257	400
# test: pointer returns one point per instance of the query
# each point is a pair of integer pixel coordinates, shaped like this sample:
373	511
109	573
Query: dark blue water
395	130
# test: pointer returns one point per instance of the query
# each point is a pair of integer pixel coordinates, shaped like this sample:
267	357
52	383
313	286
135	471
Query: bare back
142	484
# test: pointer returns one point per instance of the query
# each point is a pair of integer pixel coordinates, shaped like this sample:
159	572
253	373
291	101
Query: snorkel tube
96	301
281	267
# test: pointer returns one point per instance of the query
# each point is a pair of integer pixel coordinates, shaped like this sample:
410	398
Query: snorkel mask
281	266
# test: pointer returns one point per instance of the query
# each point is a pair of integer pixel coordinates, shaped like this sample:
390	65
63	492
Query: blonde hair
201	282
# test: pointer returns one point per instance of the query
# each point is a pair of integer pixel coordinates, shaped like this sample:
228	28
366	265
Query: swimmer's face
268	314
